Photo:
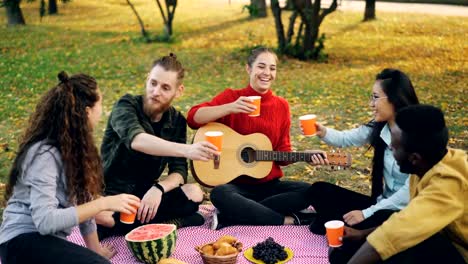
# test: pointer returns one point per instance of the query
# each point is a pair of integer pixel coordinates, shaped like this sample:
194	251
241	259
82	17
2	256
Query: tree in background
13	12
167	14
257	8
52	7
288	5
307	44
369	12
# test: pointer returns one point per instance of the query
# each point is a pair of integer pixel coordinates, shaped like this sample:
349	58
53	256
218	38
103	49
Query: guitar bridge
216	161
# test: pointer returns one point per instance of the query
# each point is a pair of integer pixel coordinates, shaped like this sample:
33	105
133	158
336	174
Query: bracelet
159	186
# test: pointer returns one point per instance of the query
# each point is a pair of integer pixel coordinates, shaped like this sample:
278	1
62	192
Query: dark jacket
130	171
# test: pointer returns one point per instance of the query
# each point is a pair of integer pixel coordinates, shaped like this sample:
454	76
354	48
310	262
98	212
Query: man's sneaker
216	222
308	210
304	218
195	219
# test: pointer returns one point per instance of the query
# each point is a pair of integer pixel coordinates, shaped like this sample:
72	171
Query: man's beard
151	109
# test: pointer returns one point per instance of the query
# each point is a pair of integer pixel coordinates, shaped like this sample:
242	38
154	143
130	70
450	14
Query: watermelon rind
152	250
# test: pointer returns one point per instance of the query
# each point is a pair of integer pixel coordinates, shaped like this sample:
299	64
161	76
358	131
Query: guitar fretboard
265	155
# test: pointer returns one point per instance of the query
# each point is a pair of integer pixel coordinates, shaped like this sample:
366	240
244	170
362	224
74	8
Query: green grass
102	38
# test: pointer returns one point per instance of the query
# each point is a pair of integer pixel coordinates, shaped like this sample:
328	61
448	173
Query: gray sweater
39	202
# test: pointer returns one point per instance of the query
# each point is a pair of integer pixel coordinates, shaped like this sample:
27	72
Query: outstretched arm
156	146
208	114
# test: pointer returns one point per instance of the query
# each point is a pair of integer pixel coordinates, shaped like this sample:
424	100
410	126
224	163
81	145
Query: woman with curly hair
56	179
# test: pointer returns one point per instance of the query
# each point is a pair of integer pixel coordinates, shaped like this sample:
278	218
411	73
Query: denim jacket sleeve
353	137
396	201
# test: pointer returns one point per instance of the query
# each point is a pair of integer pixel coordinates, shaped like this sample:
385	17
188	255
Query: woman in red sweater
245	200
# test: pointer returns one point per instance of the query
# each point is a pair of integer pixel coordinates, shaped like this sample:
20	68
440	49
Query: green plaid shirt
130	171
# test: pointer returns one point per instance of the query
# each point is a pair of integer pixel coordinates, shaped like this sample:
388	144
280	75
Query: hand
243	104
124	203
318	159
108	251
203	151
351	234
321	130
149	205
353	217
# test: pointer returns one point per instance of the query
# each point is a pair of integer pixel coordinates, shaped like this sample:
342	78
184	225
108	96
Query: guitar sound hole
248	155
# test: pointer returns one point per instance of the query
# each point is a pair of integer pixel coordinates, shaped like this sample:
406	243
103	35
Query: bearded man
144	135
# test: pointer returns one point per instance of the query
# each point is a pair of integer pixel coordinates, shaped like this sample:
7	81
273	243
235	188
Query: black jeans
436	249
174	204
261	204
331	202
36	248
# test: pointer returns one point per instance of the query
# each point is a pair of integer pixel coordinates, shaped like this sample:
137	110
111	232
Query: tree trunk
140	21
14	13
289	5
369	12
276	10
260	6
53	7
170	15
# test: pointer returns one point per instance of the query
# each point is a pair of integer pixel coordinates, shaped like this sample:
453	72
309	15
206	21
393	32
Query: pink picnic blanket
307	247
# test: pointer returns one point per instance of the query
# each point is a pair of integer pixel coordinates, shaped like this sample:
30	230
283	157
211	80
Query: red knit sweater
274	121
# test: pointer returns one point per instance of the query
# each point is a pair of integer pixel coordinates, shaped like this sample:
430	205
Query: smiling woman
246	200
392	90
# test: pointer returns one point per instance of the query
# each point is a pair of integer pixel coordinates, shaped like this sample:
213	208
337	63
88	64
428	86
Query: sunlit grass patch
102	38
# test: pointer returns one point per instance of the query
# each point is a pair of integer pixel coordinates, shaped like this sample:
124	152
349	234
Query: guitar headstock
339	159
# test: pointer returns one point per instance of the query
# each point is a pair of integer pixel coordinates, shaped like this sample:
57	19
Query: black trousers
261	204
174	204
36	248
436	249
331	202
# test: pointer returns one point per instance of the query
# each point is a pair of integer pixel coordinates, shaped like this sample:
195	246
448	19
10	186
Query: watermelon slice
153	242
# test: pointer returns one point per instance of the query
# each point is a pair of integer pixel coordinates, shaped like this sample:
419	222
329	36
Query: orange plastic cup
256	100
128	218
335	230
215	138
307	123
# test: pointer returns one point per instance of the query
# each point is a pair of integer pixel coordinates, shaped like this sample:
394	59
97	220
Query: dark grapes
269	251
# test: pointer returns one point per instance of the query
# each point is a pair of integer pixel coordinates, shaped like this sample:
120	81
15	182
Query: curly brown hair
61	119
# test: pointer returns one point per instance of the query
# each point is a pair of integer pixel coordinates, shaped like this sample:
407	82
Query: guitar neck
265	155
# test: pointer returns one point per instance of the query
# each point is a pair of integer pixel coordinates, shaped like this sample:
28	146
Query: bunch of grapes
269	251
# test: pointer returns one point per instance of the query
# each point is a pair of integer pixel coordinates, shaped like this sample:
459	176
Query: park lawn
102	38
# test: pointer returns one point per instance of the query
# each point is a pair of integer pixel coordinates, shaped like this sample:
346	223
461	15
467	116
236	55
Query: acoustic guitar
249	155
